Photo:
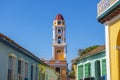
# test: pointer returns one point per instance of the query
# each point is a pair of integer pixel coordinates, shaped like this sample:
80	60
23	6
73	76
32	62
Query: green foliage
83	51
71	74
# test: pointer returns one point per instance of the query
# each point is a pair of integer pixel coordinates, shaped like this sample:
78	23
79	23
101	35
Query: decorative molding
26	61
12	55
106	8
112	20
59	45
21	59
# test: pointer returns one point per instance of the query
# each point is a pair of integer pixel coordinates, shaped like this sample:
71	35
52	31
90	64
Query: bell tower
59	38
58	61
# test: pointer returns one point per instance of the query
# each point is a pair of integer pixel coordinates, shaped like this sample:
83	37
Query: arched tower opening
59	40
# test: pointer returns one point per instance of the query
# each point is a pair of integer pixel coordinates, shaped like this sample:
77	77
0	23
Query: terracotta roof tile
94	51
59	17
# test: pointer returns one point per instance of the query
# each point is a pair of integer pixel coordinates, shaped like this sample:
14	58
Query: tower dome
59	17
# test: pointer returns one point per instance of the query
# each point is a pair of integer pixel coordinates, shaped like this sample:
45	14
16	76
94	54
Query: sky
30	22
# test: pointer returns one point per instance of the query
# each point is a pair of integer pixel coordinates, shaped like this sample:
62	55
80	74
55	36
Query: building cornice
112	20
110	13
59	45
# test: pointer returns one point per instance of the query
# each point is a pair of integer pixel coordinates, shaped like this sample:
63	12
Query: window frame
13	66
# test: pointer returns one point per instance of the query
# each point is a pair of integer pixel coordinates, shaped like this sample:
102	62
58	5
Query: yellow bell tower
58	62
59	41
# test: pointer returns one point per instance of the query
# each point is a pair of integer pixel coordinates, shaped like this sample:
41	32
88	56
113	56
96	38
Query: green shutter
80	72
87	70
104	67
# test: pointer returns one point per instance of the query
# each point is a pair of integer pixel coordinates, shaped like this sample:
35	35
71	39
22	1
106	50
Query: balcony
105	7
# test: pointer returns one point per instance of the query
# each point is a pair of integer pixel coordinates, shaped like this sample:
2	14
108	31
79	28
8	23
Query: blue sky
29	23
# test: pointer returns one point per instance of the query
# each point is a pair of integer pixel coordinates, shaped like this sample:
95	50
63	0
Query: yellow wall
61	55
42	68
114	53
75	68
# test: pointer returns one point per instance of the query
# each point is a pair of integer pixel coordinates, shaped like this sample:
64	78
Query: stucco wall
5	50
91	59
114	34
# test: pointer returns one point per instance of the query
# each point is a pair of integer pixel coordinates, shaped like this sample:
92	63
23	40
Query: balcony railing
61	44
104	5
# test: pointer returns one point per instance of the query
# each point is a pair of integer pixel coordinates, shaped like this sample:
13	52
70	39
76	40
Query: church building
58	62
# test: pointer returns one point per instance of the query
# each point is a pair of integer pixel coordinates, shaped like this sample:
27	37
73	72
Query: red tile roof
59	17
93	52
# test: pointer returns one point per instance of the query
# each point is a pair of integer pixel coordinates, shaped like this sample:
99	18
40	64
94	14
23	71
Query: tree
86	50
71	74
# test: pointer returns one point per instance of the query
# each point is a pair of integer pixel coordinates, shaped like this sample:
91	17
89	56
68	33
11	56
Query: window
26	71
59	79
58	52
103	67
43	76
46	77
20	69
80	72
97	70
59	31
59	40
31	72
87	70
36	73
59	22
57	70
39	75
11	68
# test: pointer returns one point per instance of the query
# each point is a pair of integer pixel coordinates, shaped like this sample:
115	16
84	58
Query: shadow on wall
92	78
118	48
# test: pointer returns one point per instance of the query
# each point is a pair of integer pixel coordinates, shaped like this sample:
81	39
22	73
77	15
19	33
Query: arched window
80	72
11	66
59	40
59	22
58	52
57	69
59	31
97	70
32	68
88	70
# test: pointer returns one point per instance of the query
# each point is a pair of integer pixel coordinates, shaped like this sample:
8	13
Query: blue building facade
17	63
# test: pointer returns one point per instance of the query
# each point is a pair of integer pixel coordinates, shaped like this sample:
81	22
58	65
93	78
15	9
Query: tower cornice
59	45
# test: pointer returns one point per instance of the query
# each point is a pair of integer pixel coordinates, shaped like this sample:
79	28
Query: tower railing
104	5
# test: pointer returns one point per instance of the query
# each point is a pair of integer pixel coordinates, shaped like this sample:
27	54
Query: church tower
58	62
59	38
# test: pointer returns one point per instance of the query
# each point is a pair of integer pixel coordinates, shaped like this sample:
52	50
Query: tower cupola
59	20
59	17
